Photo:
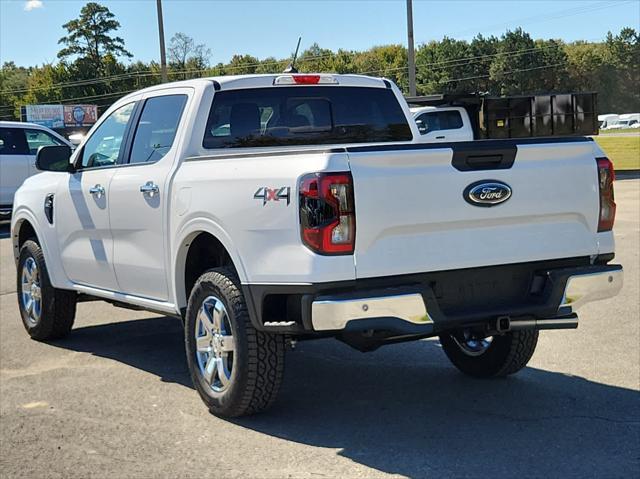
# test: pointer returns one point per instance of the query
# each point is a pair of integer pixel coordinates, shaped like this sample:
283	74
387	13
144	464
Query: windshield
304	115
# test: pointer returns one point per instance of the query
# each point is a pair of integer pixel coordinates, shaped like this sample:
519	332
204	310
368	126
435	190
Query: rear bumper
330	314
582	286
541	295
586	287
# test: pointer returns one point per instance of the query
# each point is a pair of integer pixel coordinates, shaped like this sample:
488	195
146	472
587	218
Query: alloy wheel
30	291
215	344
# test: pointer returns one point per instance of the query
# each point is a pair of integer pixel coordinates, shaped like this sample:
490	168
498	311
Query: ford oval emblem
487	193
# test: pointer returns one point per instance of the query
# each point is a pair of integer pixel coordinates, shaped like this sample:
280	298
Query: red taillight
306	79
606	176
327	213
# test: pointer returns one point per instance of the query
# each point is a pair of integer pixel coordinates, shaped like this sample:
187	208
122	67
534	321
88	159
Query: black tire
57	306
507	354
258	357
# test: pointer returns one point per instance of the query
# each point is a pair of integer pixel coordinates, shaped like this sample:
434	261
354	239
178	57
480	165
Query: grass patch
624	130
623	151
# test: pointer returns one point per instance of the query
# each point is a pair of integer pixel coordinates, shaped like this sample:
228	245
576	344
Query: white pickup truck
442	124
264	209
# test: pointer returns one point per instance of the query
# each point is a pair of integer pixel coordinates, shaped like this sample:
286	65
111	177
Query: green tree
343	61
241	65
13	84
482	52
552	74
272	65
624	52
315	59
89	37
388	61
186	54
516	58
441	67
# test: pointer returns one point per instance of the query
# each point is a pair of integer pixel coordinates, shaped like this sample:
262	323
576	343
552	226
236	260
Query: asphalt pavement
114	399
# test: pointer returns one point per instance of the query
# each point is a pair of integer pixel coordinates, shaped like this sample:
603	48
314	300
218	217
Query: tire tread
508	354
58	305
265	351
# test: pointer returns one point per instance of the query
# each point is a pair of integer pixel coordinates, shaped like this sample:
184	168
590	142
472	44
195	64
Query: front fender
47	240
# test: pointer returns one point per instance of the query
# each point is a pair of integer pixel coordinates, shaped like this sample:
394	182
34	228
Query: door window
105	144
13	142
157	128
38	138
439	120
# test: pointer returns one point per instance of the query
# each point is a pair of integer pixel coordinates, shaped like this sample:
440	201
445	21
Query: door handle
440	137
97	191
149	189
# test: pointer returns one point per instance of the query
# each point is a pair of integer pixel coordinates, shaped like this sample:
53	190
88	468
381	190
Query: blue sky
29	30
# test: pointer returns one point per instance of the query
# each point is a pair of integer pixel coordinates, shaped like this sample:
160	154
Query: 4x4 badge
273	194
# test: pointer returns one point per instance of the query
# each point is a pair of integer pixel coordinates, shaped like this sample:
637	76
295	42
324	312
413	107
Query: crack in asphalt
559	417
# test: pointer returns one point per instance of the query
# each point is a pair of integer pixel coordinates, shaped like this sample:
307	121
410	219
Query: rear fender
180	248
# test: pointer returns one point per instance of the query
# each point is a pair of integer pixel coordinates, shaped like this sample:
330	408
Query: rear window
304	115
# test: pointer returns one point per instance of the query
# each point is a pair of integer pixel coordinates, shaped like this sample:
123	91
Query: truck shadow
154	345
404	410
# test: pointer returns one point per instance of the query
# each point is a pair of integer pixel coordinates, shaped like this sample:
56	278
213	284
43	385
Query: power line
543	67
544	17
506	73
458	60
549	16
72	83
146	73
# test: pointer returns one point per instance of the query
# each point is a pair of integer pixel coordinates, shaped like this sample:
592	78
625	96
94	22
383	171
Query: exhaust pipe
567	322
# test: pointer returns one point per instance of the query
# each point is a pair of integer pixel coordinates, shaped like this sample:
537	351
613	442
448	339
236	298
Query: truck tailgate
412	215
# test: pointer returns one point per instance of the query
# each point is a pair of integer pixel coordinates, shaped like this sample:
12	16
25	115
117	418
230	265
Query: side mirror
54	158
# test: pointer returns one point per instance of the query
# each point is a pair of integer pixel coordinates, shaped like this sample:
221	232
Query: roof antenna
291	68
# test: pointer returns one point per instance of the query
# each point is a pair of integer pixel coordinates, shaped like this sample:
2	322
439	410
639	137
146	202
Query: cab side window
157	128
13	142
104	146
439	120
38	138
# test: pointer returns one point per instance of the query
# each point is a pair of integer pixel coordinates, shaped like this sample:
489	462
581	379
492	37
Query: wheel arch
24	227
201	247
25	224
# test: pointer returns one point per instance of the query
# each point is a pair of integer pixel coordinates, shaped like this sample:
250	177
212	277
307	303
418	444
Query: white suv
19	143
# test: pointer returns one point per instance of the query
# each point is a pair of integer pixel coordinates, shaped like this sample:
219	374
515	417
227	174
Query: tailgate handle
484	160
483	155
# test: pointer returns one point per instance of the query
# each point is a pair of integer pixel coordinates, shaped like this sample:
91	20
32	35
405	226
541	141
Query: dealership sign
61	116
51	116
80	115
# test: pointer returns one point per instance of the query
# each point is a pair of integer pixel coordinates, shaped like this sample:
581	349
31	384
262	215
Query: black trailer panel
564	114
556	114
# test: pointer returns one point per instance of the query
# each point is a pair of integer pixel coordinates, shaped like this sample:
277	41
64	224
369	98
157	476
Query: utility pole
163	56
411	53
